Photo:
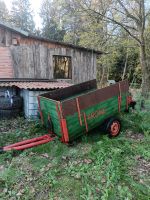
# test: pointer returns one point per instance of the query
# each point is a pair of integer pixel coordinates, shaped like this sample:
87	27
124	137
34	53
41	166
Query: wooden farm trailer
77	109
73	111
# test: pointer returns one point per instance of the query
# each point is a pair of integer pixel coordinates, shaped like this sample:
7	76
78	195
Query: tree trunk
143	57
125	66
145	72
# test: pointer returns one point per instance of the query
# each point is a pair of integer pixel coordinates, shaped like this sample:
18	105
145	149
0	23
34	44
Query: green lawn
96	167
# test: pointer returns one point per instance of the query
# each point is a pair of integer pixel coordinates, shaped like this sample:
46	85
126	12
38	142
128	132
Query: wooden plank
110	109
93	98
95	114
48	107
72	90
36	61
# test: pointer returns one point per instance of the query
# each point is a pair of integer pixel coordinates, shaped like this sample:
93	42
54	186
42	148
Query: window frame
69	67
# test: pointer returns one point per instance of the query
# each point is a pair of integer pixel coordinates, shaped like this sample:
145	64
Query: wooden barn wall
36	61
33	58
7	36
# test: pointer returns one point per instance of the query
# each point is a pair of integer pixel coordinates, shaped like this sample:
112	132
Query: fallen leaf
45	155
87	161
32	190
19	194
5	190
1	167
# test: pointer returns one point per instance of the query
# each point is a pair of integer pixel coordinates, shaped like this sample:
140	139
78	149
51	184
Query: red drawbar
29	143
65	130
119	98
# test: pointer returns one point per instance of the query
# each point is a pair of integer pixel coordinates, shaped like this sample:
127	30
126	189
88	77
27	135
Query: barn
31	65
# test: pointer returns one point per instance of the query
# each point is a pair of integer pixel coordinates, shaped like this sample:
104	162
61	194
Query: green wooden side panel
48	107
95	116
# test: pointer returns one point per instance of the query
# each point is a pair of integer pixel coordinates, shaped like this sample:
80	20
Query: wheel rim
115	128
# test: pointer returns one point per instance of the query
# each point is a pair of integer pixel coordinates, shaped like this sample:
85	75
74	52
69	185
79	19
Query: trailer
74	111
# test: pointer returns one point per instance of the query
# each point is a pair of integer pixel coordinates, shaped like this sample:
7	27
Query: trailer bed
73	111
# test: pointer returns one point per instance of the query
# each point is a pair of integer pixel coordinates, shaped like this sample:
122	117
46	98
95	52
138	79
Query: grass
96	167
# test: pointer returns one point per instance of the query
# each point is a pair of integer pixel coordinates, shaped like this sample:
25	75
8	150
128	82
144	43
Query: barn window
62	67
15	42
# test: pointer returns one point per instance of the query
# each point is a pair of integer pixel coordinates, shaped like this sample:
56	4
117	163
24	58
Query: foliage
91	30
123	54
96	167
21	15
4	14
131	18
52	26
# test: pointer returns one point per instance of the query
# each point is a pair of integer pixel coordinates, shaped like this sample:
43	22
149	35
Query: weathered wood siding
30	107
33	58
7	36
36	61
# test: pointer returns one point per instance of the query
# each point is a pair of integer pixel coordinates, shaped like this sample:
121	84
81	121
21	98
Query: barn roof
33	84
28	35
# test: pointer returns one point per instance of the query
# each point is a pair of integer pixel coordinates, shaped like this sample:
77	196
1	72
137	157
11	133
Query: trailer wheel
113	127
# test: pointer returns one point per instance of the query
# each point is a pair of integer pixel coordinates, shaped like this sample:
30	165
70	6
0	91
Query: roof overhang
27	35
34	85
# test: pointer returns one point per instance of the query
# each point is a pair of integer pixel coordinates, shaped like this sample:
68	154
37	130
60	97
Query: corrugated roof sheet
17	30
35	85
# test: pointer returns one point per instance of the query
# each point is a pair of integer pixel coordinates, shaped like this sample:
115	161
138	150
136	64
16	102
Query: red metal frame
119	103
119	98
63	123
64	126
79	112
29	143
130	99
65	130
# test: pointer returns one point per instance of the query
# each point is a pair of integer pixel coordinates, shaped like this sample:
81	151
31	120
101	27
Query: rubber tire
109	123
8	114
5	103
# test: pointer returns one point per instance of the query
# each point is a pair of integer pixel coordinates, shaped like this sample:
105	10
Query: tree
129	15
85	30
22	15
52	22
4	14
